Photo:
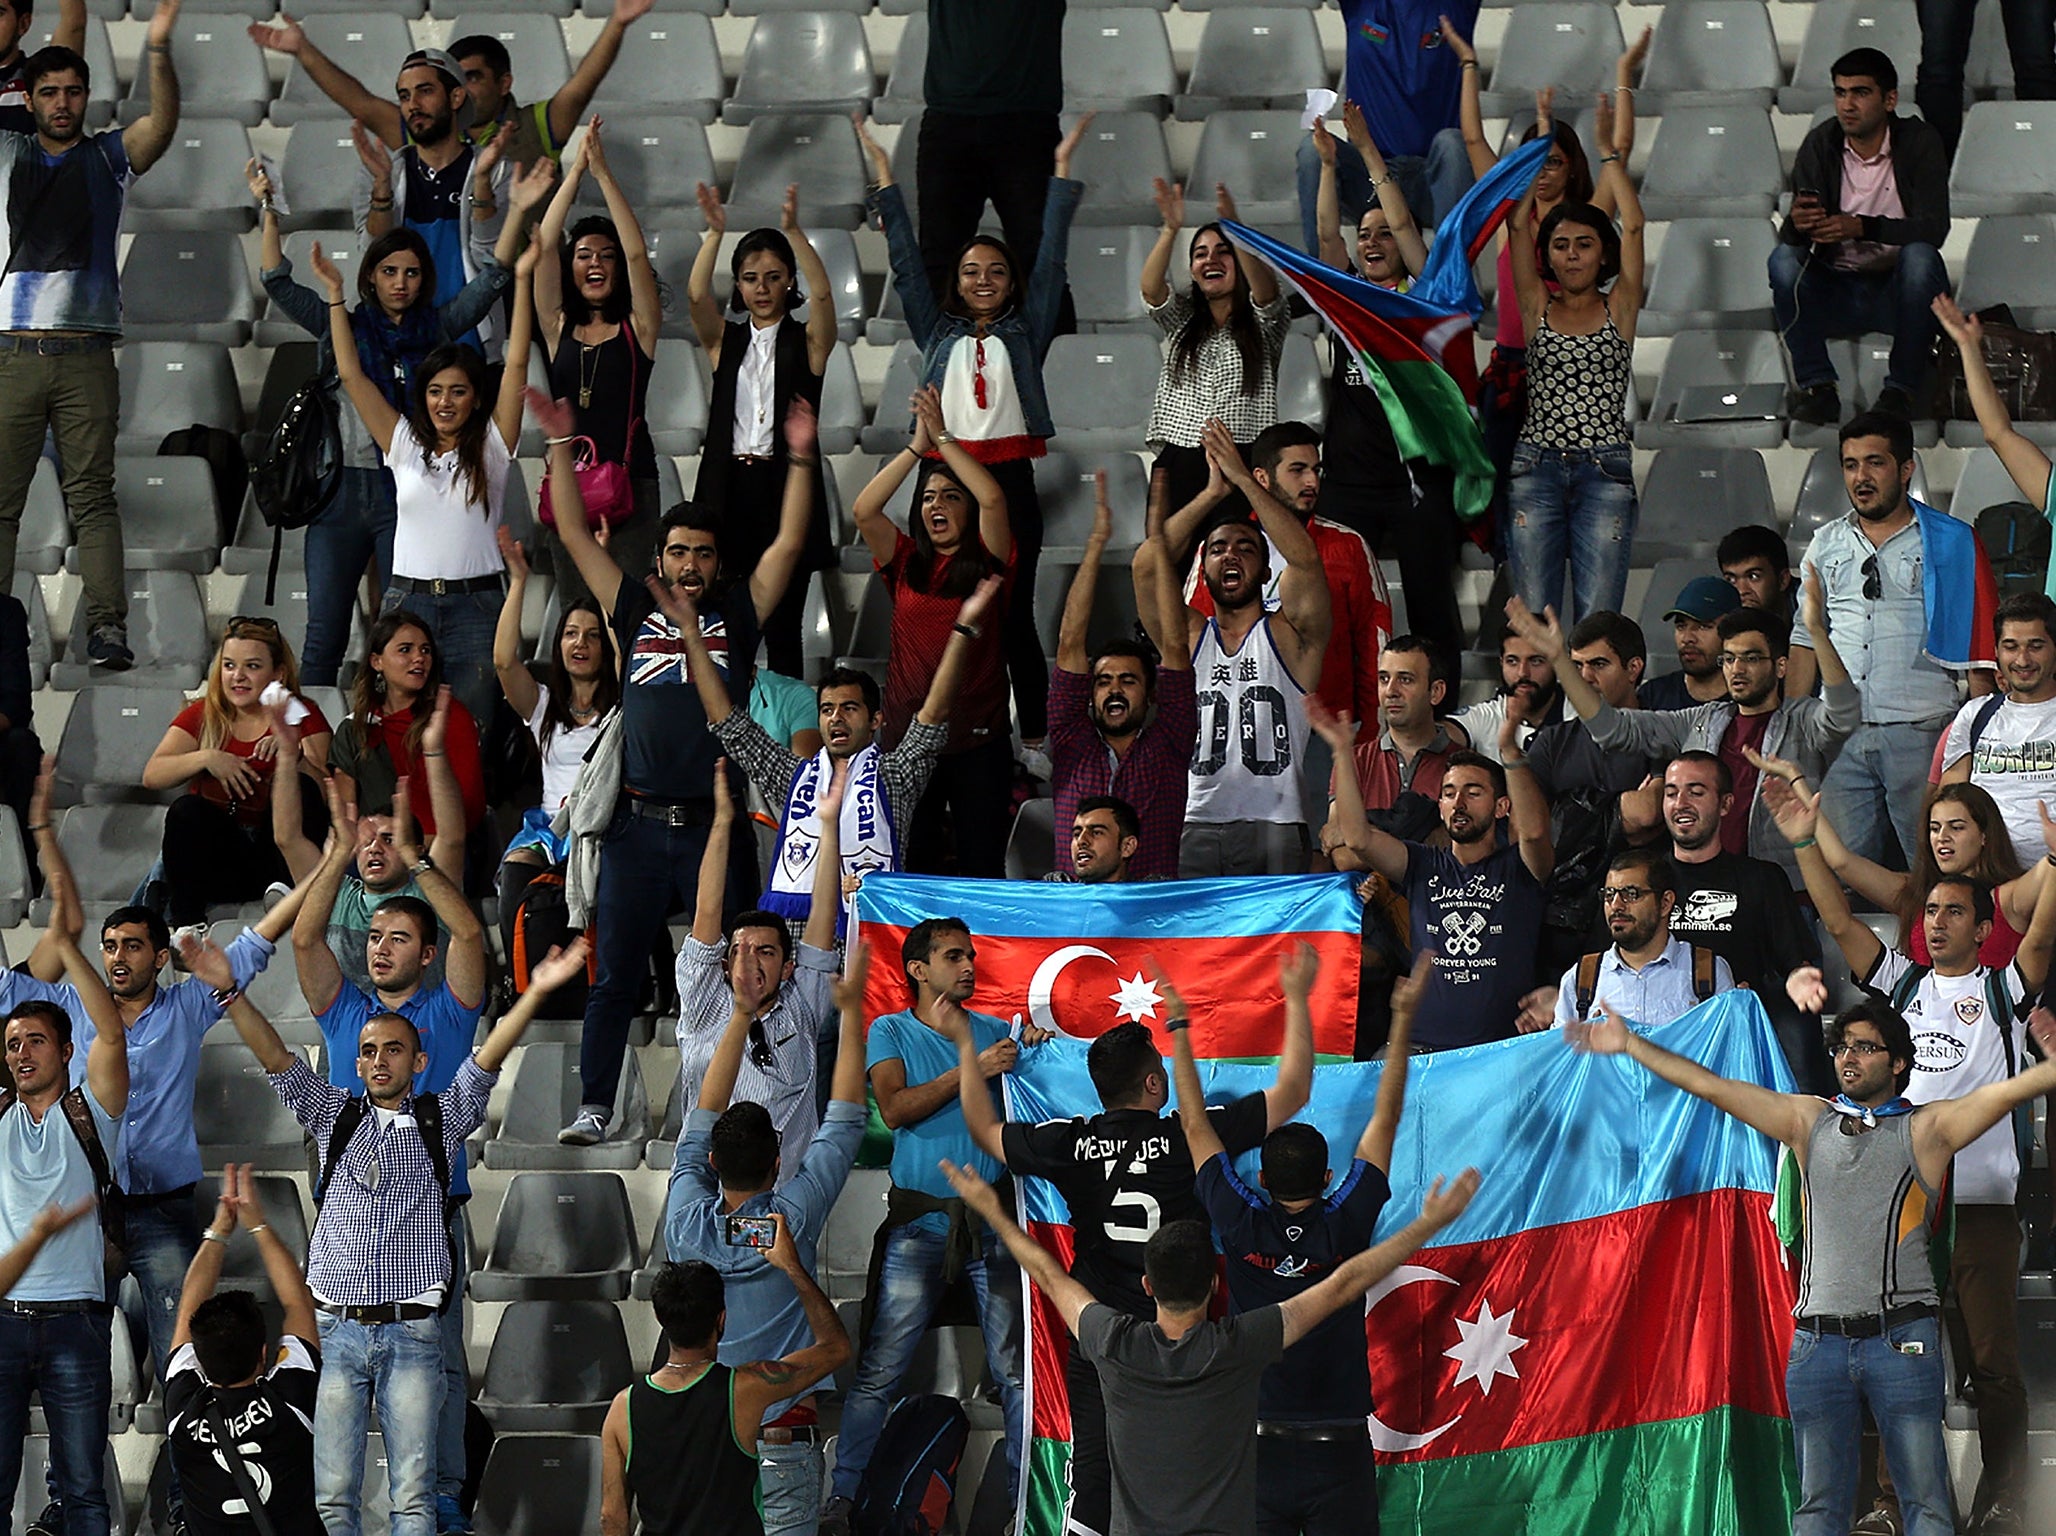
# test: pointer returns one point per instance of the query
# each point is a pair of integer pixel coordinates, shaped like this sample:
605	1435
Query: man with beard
1105	837
1252	668
1753	717
1412	748
1701	605
1647	972
1122	721
1526	675
1476	904
16	19
2006	743
1873	566
1741	908
60	310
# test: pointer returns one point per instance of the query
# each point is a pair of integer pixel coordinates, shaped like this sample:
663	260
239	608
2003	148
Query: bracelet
224	996
971	630
1804	842
1174	1024
944	437
157	47
261	1226
1379	181
212	1236
338	303
44	826
1469	64
553	442
2051	860
1608	159
384	205
1511	763
794	458
1624	90
426	753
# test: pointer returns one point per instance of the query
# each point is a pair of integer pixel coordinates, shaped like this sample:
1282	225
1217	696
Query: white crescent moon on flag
1383	1436
1043	983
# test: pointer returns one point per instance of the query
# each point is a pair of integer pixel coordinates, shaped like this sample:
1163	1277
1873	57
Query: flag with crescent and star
1076	958
1597	1344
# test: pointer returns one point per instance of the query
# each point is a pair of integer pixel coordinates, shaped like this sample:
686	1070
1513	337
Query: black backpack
542	920
427	1110
912	1476
2015	537
226	466
301	468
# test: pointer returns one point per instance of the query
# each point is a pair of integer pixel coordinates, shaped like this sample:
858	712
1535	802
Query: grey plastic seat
2012	260
1120	156
242	1266
679	388
1119	59
1983	483
319	172
288	605
1835	27
1714	358
252	10
104	97
29	593
1064	483
1031	845
555	1366
803	61
557	9
364	40
1666	581
540	1485
167	629
170	385
1713	162
837	249
841	421
1691	497
30	1494
843	1256
1302	382
187	285
108	736
1100	389
560	1236
545	1096
168	516
274	328
237	1115
600	10
534	42
406	10
871	632
217	64
45	530
2006	160
672	242
1711	53
1113	605
1571	46
1253	60
1255	153
199	184
659	161
817	151
903	96
669	63
892	424
1105	268
1860	363
1710	275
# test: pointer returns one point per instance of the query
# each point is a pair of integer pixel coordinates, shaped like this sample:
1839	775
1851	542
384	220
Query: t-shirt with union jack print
667	751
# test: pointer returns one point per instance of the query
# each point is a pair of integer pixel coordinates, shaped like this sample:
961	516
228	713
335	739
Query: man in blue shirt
727	1166
398	952
1647	971
930	1236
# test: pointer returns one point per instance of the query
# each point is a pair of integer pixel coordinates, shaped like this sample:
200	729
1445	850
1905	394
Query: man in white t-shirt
2006	744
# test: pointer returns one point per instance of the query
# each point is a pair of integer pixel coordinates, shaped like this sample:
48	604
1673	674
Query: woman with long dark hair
957	535
1227	329
398	695
598	306
764	357
395	325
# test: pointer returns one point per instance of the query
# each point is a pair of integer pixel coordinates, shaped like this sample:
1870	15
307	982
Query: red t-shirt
1743	731
376	754
921	624
255	811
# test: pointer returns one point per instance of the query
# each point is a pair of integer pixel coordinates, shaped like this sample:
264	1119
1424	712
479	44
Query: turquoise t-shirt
918	1150
783	706
2049	512
43	1164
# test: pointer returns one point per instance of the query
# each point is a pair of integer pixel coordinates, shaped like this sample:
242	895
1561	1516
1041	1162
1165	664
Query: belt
45	345
389	1312
50	1308
1868	1325
442	588
669	814
796	1434
181	1196
1349	1430
757	458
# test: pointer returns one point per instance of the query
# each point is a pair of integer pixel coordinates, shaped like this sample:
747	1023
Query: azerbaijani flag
1415	348
1075	958
1595	1348
1958	591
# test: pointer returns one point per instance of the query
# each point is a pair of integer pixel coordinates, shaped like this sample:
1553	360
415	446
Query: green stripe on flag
1048	1475
1726	1472
1430	419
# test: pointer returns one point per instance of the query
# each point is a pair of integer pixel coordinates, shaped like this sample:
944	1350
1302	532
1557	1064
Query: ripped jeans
1579	501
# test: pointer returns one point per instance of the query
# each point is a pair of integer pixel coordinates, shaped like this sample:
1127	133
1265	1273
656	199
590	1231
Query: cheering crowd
1850	754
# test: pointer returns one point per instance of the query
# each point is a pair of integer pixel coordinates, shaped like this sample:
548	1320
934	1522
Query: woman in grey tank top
1572	485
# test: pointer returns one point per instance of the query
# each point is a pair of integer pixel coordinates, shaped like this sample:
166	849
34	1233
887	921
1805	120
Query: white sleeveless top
1252	732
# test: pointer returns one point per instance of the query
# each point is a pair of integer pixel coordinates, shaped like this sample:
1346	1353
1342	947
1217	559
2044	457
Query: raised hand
673	603
1337	730
626	11
162	20
1169	197
926	404
406	836
1638	52
1537	1011
1223	454
724	802
802	430
1224	202
1642	806
1324	142
437	731
1441	1206
531	185
561	965
1545	112
207	960
1068	145
972	1190
713	213
1807	988
371	152
1174	1004
789	210
342	819
2042	1025
488	157
248	1204
1408	990
255	178
555	417
1457	43
1966	330
881	162
1602	122
980	602
1545	633
1355	127
848	989
1102	512
1297	968
53	1219
513	554
1796	812
331	279
286	38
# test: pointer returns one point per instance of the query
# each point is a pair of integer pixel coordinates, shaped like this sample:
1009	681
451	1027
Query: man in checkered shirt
379	1257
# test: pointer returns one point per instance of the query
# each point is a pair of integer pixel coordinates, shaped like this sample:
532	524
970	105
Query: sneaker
1881	1521
107	646
2002	1519
588	1128
1894	401
835	1516
1817	405
196	931
1036	761
450	1519
49	1523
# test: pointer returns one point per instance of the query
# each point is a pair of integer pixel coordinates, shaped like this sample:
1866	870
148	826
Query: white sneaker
588	1128
1037	761
197	931
275	893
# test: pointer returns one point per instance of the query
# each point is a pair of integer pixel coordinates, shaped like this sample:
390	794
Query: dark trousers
1423	536
756	502
1316	1487
160	1235
1027	667
647	871
968	803
210	858
1945	47
63	1356
21	757
1092	1478
960	162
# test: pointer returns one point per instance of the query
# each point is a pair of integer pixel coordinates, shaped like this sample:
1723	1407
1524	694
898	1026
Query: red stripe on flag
1049	1343
1652	1314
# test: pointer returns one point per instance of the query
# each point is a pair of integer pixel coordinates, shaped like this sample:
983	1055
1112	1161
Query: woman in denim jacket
995	405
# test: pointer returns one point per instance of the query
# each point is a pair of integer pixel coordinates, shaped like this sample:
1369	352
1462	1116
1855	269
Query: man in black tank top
694	1417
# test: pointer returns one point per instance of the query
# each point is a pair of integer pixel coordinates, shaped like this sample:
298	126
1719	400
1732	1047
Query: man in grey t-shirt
1181	1390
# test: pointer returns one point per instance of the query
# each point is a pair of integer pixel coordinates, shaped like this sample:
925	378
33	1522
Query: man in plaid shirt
379	1257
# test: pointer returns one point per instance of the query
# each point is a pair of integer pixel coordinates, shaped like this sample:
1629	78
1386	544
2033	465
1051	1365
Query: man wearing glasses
1648	971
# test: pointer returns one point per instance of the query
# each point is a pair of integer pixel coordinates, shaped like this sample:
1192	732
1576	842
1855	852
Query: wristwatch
425	865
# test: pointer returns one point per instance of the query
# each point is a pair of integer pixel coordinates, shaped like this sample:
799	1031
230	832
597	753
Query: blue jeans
449	1427
356	530
160	1237
1582	499
1433	183
1830	1380
401	1364
909	1286
461	624
1945	47
64	1356
1881	774
1814	302
789	1488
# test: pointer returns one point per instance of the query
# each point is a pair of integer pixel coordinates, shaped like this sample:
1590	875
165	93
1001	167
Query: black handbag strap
234	1457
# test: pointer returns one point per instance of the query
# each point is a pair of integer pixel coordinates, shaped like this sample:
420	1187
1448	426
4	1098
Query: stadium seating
1120	157
108	736
1571	46
533	40
167	626
2012	261
560	1236
1253	60
1118	59
555	1366
217	65
902	98
1710	276
1099	389
167	386
1064	482
45	532
1713	162
669	63
540	1485
803	62
2006	162
200	182
239	1117
545	1097
1836	26
1711	53
242	1267
1692	496
819	153
365	40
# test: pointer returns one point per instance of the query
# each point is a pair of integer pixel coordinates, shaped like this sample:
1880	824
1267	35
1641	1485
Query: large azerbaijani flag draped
1596	1348
1415	348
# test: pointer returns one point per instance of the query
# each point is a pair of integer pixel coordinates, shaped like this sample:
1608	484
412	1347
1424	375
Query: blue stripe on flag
1167	909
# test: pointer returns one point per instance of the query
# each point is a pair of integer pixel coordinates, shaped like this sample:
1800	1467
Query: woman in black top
762	358
597	311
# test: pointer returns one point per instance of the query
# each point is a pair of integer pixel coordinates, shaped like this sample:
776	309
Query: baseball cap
441	60
1704	599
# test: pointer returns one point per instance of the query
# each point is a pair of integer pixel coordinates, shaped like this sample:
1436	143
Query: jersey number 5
1144	1228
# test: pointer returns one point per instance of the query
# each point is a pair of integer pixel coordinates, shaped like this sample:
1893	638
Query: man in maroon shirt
1120	721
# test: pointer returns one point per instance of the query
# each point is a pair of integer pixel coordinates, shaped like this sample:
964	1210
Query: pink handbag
603	484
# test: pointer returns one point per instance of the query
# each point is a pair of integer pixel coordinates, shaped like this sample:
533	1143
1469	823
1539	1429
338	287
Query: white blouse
440	534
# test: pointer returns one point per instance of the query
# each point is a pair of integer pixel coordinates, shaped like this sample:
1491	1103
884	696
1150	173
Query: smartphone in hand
752	1232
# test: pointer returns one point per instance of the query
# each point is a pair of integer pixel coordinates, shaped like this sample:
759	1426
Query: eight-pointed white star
1486	1352
1136	999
